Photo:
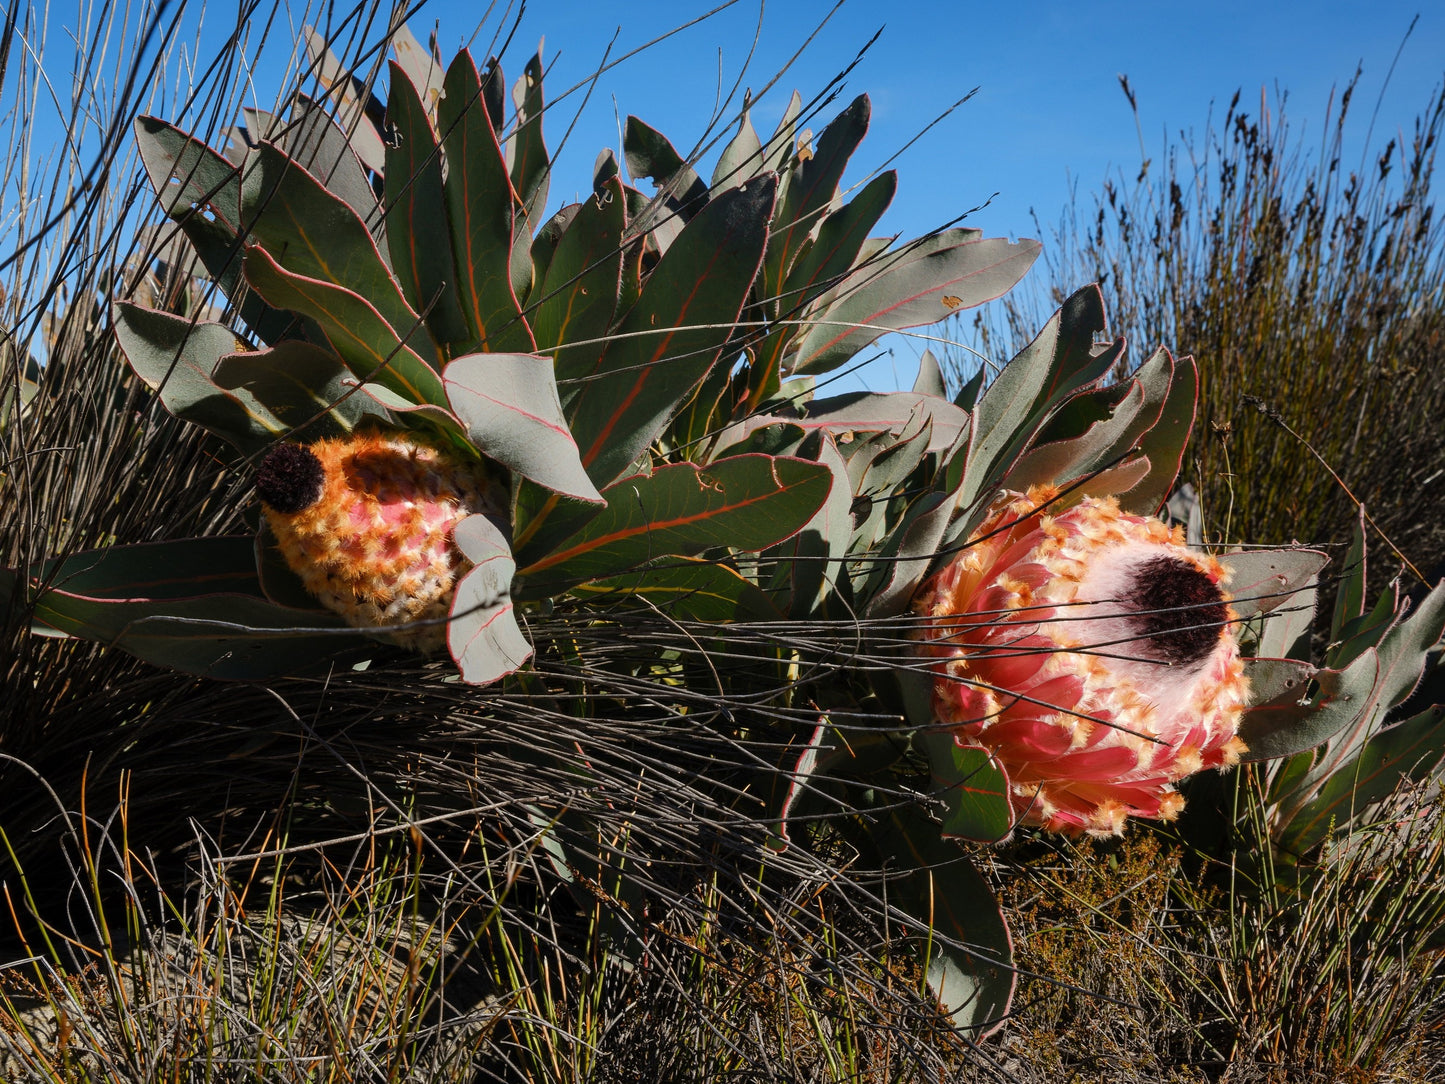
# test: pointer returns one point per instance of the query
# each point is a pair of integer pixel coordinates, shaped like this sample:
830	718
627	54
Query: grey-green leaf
917	284
969	951
177	359
1061	359
509	404
309	231
482	634
1281	722
1411	750
741	159
1265	579
307	388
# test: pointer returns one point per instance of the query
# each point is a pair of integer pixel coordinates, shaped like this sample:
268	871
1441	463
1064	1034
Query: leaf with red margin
422	65
830	761
202	191
685	588
1410	749
1117	427
907	553
746	502
812	185
840	238
509	404
1401	658
319	143
1261	580
779	147
347	99
1089	431
187	175
417	229
818	269
578	297
178	359
1165	440
1061	359
809	569
972	787
681	193
929	380
969	950
156	570
877	412
194	604
674	333
308	389
311	232
741	158
482	632
1281	722
526	150
439	422
369	345
485	212
906	288
1350	600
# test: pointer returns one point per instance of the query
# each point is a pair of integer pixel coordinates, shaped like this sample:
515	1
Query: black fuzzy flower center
1179	612
289	478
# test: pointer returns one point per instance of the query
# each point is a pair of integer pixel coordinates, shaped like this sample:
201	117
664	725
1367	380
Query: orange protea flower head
1092	654
366	522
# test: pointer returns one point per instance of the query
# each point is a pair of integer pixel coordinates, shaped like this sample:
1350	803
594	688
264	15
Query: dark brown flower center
289	478
1179	612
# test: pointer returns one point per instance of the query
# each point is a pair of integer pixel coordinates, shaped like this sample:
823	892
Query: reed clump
1309	281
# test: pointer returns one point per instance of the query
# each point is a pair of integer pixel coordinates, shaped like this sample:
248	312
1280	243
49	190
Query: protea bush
549	618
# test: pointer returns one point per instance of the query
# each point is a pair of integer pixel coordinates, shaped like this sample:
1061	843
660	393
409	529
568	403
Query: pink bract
1092	654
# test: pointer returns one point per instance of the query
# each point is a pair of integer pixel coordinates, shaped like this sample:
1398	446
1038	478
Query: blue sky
1048	118
1048	105
1048	113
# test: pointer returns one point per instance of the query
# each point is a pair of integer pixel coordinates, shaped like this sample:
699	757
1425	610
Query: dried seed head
289	478
1178	610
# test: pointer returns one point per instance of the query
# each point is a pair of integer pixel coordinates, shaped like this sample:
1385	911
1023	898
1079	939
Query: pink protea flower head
366	522
1092	654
